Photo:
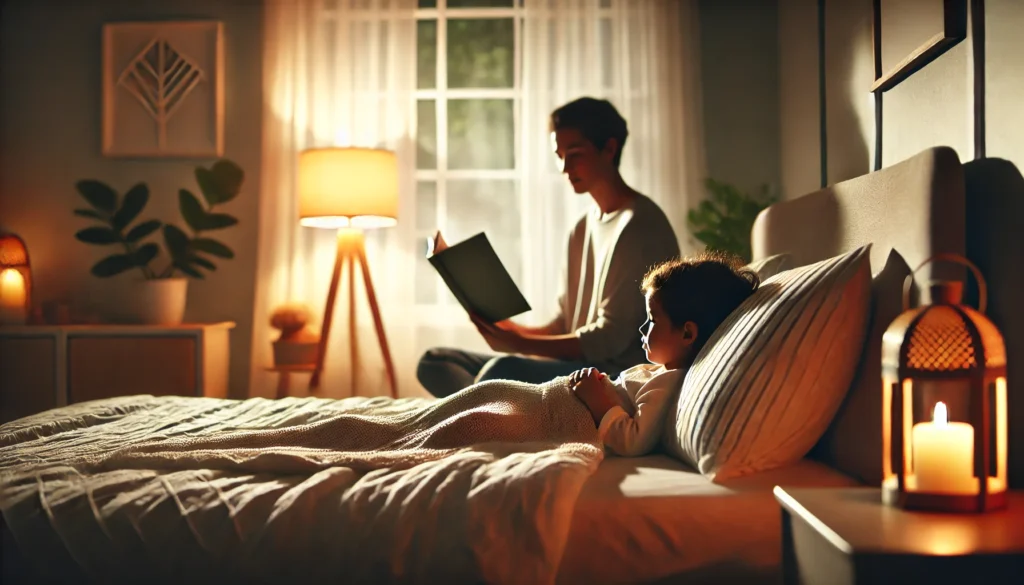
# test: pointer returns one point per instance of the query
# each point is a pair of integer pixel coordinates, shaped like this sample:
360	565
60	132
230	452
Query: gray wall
932	107
740	76
799	112
50	138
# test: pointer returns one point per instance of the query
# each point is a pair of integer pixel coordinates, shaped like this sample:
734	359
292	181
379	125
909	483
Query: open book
477	278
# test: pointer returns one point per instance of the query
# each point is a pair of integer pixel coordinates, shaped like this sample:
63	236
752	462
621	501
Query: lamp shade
348	187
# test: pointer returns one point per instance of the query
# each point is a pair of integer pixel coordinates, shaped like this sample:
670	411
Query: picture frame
163	89
953	30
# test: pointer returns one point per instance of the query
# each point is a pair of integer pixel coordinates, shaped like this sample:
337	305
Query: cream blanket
477	487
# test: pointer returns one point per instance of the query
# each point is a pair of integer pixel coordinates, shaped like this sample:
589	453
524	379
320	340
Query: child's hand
588	386
578	375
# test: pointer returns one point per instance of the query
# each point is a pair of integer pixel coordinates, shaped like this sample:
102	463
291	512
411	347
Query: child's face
664	344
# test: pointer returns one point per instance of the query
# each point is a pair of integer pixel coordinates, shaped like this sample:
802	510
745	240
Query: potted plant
158	296
723	221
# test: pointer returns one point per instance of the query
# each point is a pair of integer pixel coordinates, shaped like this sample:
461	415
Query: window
468	80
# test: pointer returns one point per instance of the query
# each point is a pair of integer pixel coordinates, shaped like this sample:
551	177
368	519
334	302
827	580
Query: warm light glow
341	221
11	279
952	536
943	455
348	187
1001	433
12	297
887	470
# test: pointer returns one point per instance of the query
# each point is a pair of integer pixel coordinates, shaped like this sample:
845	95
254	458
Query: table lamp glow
349	190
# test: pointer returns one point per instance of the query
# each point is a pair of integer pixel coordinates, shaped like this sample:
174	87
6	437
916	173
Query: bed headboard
915	208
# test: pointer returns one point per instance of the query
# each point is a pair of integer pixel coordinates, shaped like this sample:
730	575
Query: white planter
158	301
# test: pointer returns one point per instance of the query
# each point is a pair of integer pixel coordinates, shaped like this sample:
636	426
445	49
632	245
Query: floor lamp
349	190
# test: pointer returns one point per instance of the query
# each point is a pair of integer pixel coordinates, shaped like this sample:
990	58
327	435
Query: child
687	300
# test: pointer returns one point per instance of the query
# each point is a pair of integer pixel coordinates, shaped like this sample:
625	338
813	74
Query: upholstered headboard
995	243
915	208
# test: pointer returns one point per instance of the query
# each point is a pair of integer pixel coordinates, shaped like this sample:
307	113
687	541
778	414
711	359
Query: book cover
477	278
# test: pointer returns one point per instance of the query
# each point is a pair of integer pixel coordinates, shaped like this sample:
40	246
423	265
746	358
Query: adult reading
609	251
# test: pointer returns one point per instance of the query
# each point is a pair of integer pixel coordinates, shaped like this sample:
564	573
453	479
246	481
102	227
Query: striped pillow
770	266
772	376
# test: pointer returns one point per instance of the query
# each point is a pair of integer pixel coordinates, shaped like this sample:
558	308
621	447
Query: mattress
651	519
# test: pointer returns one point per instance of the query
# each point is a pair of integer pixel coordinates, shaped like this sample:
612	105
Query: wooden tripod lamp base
352	251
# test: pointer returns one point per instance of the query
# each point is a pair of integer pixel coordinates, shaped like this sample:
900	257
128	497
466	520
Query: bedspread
477	487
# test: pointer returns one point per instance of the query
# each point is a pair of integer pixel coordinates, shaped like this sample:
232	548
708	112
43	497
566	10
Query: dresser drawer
42	367
103	367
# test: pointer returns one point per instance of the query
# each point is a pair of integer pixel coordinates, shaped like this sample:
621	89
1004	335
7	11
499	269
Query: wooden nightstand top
855	521
112	329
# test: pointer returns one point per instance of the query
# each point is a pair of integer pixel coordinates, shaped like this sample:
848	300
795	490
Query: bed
556	511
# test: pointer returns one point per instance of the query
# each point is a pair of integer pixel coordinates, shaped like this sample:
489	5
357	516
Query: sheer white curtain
642	55
336	73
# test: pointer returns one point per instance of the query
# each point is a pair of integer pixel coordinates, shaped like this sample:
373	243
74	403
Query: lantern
15	281
944	433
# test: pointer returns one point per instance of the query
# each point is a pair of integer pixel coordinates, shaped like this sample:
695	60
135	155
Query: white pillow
770	266
772	376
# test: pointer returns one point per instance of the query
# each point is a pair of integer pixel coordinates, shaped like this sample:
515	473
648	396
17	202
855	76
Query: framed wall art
909	34
163	89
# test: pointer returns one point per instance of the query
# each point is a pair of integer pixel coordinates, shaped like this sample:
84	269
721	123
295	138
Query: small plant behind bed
187	253
723	221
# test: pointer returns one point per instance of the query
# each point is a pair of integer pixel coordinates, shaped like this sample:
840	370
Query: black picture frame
953	31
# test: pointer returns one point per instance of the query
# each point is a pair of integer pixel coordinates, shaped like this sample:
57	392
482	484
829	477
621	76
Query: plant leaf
199	260
145	254
191	210
90	214
134	201
212	247
112	265
98	235
220	183
142	230
184	267
208	186
216	221
229	177
177	242
98	194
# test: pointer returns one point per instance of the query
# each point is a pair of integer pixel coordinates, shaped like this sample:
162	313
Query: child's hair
597	120
704	288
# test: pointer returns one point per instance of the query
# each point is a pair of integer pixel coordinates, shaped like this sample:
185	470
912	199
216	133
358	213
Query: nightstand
42	367
846	536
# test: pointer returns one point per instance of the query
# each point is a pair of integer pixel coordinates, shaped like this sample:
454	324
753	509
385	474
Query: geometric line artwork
163	89
160	77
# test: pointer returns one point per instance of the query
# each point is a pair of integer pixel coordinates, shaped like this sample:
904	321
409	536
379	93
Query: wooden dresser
42	367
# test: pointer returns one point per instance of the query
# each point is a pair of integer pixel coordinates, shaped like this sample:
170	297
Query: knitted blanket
477	487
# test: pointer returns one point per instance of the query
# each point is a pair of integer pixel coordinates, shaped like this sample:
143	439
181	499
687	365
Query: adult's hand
498	338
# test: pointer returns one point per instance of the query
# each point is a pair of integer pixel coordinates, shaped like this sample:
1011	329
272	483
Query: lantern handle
957	259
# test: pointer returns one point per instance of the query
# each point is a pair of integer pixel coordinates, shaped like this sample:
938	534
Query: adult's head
588	135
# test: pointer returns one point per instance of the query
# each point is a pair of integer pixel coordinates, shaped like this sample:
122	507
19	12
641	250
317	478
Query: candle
943	455
12	298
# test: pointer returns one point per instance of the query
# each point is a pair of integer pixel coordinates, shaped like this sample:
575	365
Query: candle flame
939	415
